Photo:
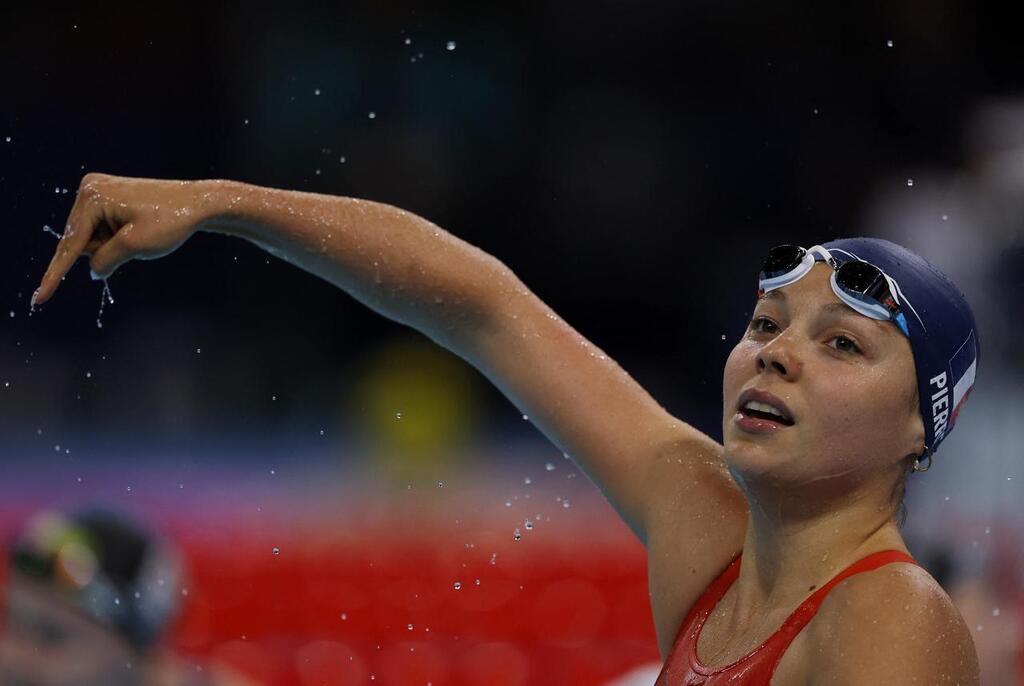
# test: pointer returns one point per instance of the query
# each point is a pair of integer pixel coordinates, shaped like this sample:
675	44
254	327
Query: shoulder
894	624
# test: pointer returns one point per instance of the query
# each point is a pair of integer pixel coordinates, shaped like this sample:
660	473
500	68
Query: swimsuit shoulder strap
806	611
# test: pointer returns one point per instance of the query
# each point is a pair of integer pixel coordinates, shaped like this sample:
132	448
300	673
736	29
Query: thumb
112	254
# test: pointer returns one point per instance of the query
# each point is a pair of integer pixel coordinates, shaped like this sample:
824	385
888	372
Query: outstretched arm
413	272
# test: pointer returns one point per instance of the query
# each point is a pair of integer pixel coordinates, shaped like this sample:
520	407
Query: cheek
739	366
854	407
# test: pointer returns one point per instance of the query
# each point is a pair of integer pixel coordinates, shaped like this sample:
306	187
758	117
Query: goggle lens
782	259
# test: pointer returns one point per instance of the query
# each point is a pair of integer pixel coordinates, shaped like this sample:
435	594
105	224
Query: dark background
630	161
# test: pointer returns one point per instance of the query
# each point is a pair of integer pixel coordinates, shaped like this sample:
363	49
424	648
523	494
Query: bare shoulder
696	523
894	624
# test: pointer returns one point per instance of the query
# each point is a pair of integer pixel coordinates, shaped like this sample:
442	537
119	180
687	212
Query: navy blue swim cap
943	335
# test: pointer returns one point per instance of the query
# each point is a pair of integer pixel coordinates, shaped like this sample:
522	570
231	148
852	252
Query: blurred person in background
89	598
790	525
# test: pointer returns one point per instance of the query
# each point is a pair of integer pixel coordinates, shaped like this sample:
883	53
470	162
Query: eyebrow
837	308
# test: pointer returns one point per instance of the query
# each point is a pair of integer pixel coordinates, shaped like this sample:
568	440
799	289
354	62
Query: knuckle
90	185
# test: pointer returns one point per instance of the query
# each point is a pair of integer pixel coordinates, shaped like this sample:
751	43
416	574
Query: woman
780	547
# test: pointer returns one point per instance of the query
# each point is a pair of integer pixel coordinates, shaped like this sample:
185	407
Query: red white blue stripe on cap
962	368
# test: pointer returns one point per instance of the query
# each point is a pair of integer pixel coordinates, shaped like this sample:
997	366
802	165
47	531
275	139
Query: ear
915	426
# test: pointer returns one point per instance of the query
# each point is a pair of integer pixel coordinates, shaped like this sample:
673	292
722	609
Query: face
48	643
848	381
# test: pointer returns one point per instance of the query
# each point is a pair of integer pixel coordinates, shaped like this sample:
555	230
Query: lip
760	396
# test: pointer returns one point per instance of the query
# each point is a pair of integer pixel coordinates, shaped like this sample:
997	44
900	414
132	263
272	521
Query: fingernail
35	294
95	276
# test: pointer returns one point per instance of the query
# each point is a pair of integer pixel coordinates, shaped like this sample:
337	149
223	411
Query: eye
849	347
758	324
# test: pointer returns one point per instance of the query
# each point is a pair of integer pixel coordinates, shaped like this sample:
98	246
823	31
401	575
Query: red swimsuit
682	668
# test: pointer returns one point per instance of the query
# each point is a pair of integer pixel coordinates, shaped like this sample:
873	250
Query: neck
791	549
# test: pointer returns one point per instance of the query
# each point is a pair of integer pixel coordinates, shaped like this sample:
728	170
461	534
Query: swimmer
774	557
89	597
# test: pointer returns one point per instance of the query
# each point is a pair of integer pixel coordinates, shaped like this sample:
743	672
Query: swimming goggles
859	284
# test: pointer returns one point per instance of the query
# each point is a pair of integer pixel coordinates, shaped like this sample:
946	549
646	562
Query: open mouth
759	414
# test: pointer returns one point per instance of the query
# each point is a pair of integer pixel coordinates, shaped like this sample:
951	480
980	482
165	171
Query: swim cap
102	563
943	335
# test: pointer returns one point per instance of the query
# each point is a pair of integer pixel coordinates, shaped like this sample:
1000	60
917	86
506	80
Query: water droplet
12	314
516	536
988	529
457	585
409	627
945	217
508	503
398	415
440	484
408	41
565	503
494	558
528	525
450	45
104	297
995	612
527	481
525	418
342	159
199	351
8	139
477	582
88	375
344	616
888	43
316	92
276	551
372	115
910	182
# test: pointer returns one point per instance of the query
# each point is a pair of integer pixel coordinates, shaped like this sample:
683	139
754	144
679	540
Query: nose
779	357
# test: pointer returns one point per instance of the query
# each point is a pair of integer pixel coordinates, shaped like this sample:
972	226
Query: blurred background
354	504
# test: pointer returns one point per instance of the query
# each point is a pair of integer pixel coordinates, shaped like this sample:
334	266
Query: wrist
222	207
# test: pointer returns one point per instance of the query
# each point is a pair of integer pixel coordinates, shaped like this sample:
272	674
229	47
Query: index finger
82	221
